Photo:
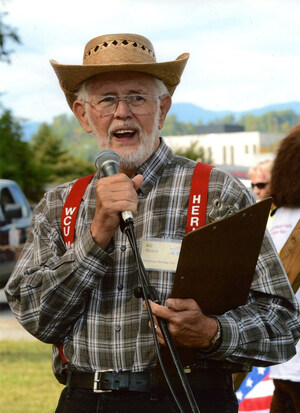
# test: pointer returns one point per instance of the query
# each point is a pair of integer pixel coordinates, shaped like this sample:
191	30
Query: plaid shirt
84	296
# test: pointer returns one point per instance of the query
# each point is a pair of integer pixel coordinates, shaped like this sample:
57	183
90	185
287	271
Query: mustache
123	125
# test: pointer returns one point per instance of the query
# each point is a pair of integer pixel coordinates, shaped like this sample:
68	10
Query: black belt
102	381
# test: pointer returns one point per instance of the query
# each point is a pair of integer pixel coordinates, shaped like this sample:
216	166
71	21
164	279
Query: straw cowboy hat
115	53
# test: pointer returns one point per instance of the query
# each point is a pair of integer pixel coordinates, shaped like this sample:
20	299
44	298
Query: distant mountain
294	106
188	112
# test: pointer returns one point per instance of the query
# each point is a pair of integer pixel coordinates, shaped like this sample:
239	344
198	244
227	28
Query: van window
6	197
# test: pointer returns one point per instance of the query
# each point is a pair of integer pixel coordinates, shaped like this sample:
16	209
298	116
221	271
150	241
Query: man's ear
80	113
165	104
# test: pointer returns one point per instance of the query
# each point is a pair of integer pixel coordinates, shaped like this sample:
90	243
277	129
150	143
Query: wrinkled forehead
121	83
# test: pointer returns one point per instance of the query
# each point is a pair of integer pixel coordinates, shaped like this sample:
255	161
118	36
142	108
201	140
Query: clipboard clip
220	210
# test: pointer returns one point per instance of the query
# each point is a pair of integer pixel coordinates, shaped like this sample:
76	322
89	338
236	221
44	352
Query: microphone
107	163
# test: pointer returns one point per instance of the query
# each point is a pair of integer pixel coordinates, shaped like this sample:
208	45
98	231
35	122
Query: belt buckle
97	378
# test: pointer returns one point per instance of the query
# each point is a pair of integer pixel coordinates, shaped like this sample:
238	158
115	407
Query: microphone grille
106	156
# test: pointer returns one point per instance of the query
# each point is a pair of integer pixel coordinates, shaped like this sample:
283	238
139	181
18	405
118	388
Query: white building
231	148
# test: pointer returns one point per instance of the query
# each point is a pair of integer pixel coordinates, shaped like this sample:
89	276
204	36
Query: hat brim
71	77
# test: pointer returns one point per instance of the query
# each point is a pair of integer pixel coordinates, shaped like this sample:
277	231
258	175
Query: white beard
131	158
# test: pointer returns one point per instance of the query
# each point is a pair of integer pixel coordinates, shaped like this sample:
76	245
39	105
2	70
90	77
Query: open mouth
125	134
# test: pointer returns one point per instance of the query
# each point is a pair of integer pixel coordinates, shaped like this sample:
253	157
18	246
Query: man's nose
122	110
256	190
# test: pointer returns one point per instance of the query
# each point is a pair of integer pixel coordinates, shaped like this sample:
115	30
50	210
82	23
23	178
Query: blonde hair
264	168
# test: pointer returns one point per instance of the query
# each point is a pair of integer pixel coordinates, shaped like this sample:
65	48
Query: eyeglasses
107	105
260	185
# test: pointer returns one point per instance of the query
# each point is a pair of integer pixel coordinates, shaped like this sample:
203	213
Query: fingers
185	322
157	331
115	194
159	310
178	304
137	181
156	326
174	305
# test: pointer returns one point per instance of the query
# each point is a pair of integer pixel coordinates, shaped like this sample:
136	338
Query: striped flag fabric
256	391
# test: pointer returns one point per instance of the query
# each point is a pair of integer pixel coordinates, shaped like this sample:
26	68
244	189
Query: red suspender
68	220
71	207
196	215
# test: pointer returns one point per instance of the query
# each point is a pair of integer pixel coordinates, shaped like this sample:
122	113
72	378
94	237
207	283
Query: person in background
260	176
285	190
81	299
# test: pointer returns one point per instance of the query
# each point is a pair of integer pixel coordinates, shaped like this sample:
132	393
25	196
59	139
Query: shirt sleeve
48	288
266	329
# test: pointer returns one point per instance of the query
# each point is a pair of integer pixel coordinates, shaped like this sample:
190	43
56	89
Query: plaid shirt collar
153	168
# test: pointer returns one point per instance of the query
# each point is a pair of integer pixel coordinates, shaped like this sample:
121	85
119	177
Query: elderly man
81	299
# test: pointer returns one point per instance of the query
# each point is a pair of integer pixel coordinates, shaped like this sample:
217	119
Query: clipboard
216	267
217	262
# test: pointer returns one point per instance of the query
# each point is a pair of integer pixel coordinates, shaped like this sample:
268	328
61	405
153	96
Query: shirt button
117	328
123	247
120	287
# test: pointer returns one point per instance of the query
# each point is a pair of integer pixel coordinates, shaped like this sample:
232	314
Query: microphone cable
149	292
108	163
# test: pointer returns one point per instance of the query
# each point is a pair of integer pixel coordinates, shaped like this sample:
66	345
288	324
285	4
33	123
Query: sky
244	54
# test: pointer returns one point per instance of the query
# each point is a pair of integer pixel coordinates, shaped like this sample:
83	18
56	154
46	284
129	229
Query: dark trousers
85	401
286	398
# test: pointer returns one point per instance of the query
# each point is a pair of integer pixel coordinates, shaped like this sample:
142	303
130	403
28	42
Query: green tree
193	152
174	128
273	121
227	120
78	142
50	154
16	161
6	33
48	151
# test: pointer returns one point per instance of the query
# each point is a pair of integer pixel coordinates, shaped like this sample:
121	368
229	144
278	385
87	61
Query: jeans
85	401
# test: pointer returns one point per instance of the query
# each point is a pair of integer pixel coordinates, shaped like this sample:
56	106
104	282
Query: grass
27	384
